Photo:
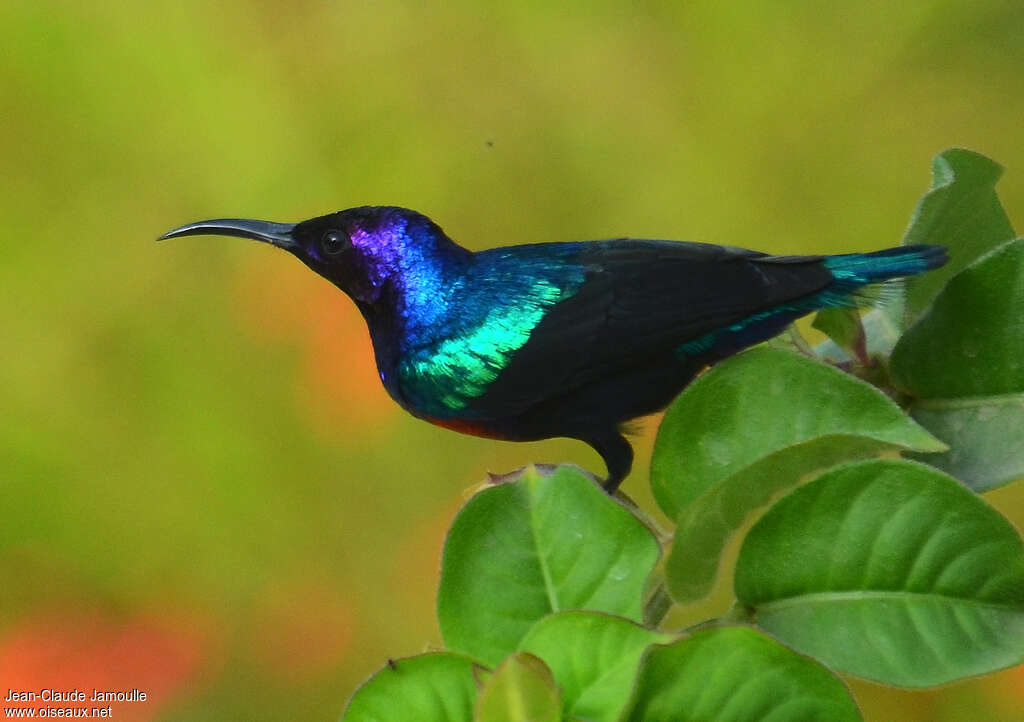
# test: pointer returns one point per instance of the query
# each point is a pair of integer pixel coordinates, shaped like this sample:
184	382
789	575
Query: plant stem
739	613
657	605
798	340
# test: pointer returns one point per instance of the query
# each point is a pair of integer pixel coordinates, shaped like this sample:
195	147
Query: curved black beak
279	234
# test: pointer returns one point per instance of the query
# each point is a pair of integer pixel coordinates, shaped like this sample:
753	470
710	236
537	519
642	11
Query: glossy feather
558	339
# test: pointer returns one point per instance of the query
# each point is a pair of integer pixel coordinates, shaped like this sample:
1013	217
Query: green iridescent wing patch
440	379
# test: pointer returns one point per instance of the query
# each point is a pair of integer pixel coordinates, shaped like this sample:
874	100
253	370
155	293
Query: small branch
657	605
706	624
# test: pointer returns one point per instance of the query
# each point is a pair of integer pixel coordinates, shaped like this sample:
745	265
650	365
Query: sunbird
565	339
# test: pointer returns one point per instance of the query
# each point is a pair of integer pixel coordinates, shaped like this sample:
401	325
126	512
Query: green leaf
520	551
971	342
881	327
986	437
705	526
888	570
760	402
844	327
425	688
961	212
520	690
735	674
963	363
594	658
753	425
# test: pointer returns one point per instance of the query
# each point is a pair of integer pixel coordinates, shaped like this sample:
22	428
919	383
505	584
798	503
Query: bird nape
558	339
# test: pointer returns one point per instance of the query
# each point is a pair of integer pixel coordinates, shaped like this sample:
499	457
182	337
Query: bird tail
851	273
854	271
862	268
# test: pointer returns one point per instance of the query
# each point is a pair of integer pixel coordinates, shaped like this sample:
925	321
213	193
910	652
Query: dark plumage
557	339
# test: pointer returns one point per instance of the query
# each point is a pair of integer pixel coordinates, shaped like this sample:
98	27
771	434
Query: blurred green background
206	493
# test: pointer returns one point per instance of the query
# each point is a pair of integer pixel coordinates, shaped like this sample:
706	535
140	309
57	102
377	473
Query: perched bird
557	339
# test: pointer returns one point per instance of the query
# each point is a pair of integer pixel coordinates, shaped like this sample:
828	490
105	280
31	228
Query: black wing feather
639	301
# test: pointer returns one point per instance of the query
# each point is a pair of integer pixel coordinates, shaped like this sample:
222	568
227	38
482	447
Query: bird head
361	250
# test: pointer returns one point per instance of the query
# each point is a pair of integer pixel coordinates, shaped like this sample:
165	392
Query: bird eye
334	243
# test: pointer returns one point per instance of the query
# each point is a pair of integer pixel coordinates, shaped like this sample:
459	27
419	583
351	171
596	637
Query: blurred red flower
87	652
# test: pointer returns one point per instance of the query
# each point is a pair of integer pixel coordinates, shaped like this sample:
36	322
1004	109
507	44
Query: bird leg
618	457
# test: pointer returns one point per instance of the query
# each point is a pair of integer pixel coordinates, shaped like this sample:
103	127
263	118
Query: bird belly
470	427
